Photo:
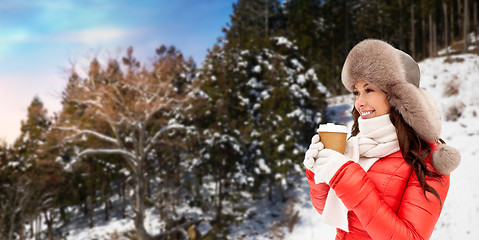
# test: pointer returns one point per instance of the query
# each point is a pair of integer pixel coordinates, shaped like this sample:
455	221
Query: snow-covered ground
455	86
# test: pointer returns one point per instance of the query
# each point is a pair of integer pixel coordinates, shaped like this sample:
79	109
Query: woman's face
369	101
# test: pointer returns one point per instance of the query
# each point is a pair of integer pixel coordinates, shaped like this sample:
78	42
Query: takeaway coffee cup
333	136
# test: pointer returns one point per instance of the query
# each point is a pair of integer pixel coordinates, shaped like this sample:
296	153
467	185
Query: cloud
85	36
66	21
14	37
91	35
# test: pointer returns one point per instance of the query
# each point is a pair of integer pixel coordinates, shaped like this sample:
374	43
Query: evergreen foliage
253	22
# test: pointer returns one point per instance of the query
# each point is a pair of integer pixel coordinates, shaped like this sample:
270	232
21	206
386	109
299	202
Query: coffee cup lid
331	127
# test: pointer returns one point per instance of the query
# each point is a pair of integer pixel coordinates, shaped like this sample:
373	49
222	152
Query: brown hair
414	149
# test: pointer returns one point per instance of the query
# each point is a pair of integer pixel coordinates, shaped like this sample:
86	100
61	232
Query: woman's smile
366	114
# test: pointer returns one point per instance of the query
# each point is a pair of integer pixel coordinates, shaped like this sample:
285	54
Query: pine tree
304	21
32	179
254	97
323	33
220	123
33	131
282	93
253	22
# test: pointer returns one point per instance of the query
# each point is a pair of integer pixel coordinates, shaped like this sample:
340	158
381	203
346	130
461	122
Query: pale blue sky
39	40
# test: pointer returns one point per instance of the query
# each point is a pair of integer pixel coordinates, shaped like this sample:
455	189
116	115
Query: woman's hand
327	164
324	163
312	152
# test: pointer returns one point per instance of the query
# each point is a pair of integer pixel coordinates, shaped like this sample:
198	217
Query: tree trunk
270	190
38	227
282	191
63	216
346	27
380	19
121	193
219	199
21	232
451	20
446	28
434	39
148	185
413	34
266	23
105	200
89	209
11	227
49	221
401	37
140	196
107	210
31	230
460	19
423	39
431	37
476	26
466	25
85	208
474	15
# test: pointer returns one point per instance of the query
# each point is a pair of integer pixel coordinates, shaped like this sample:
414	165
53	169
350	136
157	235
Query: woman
392	181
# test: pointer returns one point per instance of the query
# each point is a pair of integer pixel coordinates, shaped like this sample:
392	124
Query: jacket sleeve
415	218
318	192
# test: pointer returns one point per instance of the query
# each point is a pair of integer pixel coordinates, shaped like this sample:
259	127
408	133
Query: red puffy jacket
386	202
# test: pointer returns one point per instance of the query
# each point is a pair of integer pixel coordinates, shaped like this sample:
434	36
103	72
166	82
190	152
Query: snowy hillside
455	86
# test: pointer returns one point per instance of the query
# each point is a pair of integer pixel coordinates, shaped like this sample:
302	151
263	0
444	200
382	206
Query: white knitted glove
326	165
312	152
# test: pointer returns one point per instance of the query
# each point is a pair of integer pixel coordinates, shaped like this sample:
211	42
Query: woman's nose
360	101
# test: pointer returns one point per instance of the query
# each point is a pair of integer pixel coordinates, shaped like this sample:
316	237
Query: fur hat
398	75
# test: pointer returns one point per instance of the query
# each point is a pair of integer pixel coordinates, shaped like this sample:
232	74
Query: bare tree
131	109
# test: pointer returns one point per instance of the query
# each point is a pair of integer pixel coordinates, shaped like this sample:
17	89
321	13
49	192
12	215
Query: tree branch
89	151
161	131
90	132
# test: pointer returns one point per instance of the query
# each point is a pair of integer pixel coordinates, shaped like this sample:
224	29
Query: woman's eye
368	90
355	93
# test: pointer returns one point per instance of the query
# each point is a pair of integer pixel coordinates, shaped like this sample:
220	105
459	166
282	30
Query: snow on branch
90	132
90	151
92	102
161	131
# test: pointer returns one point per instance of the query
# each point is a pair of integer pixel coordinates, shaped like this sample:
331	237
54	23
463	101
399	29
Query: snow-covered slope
455	86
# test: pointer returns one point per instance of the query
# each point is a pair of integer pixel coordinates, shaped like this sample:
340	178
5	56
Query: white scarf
377	138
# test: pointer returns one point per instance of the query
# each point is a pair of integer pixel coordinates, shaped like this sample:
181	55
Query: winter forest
200	148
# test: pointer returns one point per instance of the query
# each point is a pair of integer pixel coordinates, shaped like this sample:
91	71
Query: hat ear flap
416	109
432	113
445	159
